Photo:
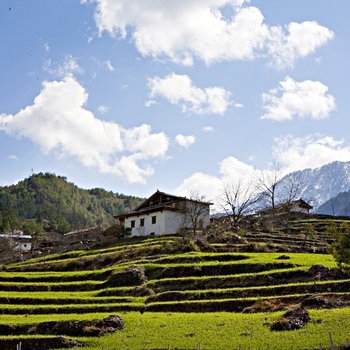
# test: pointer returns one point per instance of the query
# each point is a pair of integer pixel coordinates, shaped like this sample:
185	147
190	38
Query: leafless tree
267	183
237	200
292	186
195	209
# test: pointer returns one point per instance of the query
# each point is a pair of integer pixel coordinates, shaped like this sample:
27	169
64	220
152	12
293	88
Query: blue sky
135	95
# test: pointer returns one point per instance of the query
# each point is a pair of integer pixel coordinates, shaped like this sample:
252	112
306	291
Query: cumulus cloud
68	67
312	151
185	30
58	122
290	153
185	141
180	90
305	99
299	40
231	170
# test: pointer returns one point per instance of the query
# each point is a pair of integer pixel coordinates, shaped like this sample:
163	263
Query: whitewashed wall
23	246
148	228
167	222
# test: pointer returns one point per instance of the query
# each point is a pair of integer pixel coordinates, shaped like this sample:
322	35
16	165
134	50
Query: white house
22	243
164	213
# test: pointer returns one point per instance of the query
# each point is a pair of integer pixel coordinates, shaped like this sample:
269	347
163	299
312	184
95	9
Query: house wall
167	222
300	210
148	228
173	221
23	246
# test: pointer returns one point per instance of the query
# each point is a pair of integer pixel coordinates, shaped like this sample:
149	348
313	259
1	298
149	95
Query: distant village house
164	213
296	206
21	243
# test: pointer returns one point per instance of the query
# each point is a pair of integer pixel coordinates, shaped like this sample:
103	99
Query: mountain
339	205
321	184
51	199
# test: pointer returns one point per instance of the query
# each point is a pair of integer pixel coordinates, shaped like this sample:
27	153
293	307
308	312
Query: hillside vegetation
339	205
50	199
214	291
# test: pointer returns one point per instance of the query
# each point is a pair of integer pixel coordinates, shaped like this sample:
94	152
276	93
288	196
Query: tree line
45	201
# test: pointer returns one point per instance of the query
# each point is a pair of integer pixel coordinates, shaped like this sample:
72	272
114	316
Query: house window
132	223
154	219
142	222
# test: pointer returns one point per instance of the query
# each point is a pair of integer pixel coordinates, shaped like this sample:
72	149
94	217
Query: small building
296	206
21	243
83	238
163	213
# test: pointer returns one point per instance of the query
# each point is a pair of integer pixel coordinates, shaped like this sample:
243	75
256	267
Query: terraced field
172	295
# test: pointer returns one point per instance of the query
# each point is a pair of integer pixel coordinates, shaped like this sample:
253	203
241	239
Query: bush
341	247
131	276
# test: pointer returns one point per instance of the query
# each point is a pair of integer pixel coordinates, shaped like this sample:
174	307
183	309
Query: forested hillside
339	205
51	200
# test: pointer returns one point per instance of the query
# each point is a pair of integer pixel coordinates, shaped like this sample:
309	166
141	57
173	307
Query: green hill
53	201
216	291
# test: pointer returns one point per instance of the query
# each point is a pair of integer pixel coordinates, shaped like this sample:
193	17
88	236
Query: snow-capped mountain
321	184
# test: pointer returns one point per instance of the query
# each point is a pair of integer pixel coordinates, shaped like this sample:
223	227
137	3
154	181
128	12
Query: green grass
222	331
213	331
209	281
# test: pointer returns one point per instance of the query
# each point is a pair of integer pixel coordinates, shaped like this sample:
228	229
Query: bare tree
237	200
267	183
196	208
292	186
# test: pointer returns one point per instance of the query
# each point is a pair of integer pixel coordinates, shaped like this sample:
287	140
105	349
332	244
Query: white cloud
185	141
102	109
208	129
180	90
109	65
12	157
68	67
290	153
201	183
239	105
302	39
46	47
185	30
150	103
306	99
312	151
58	122
103	64
231	170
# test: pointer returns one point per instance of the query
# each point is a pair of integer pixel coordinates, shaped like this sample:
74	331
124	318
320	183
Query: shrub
131	276
341	248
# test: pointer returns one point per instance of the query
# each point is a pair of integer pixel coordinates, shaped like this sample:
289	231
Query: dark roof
159	201
302	204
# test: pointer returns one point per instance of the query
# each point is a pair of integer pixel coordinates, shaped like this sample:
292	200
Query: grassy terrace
219	330
176	285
